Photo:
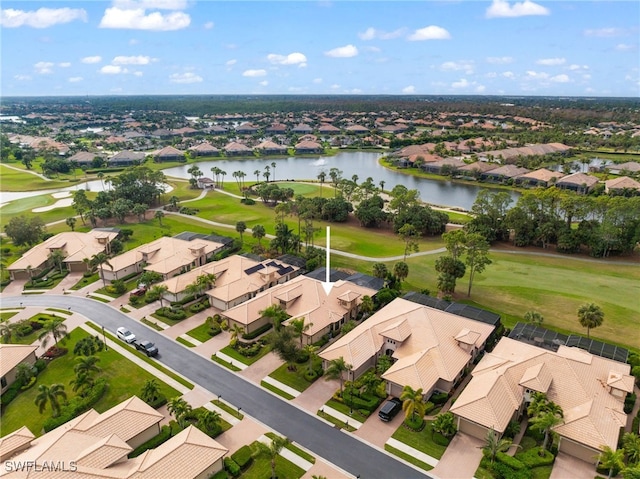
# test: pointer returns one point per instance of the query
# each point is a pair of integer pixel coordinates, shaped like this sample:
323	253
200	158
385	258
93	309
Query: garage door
578	450
473	429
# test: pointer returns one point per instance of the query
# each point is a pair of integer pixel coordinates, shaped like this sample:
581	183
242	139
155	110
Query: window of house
3	381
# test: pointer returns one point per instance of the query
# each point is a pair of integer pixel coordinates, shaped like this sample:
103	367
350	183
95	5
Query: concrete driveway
569	467
378	432
461	459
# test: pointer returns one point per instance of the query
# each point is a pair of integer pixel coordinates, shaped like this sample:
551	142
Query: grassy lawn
151	324
422	441
293	379
201	333
224	363
33	336
410	459
85	281
63	311
170	322
124	377
229	409
13	180
261	468
7	315
344	409
232	353
295	449
130	285
184	342
335	421
276	390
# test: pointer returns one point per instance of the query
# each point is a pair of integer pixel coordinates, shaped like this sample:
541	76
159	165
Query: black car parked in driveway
389	409
146	347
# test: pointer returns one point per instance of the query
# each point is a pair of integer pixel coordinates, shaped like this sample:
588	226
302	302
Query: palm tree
7	331
51	395
257	173
258	232
82	383
401	271
493	445
336	369
236	331
209	421
241	226
150	391
590	316
266	173
179	409
300	328
533	317
631	442
380	270
445	424
273	165
54	327
159	215
56	256
544	422
86	365
157	291
321	176
366	306
612	460
311	349
71	223
412	402
97	261
276	446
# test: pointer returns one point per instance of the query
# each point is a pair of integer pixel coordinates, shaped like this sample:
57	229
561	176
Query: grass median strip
224	363
151	324
185	342
275	390
407	457
225	407
144	357
295	449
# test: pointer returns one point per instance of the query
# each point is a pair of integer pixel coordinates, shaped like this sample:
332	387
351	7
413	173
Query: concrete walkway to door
461	459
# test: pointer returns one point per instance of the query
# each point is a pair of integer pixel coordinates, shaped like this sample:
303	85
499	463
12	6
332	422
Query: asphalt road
339	448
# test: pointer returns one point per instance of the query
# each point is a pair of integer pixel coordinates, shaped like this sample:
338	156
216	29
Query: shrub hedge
231	466
512	462
77	406
242	457
439	398
175	314
258	332
532	458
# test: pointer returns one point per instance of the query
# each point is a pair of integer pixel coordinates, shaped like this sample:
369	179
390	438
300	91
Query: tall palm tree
157	291
321	176
380	270
412	402
590	316
366	306
209	420
631	442
311	349
50	395
179	409
56	256
336	369
401	271
257	173
493	445
54	327
299	328
545	422
276	446
159	215
612	460
82	383
86	365
97	261
236	331
273	165
7	331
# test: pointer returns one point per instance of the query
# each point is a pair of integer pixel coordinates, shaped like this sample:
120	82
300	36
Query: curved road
338	447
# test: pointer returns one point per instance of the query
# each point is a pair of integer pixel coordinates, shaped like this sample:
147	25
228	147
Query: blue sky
494	47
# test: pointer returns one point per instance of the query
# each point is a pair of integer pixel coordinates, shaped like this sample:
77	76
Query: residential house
76	247
169	153
246	129
217	130
357	129
504	173
430	348
97	445
306	298
167	256
589	389
85	158
10	356
622	185
578	182
204	183
237	149
276	129
302	129
541	177
308	147
204	149
238	279
444	166
269	147
327	129
126	158
630	167
475	170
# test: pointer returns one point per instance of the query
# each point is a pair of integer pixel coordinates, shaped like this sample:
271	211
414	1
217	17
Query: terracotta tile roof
429	338
308	145
13	354
204	147
578	179
104	452
624	182
541	175
578	383
620	381
169	151
237	147
14	442
508	171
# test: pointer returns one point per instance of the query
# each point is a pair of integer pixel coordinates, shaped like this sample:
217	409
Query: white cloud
132	60
604	32
462	83
562	78
355	91
537	75
491	75
317	80
551	61
465	65
209	25
113	70
94	59
152	4
335	86
575	67
409	90
133	41
64	64
499	60
624	47
343	52
137	19
432	32
231	62
22	77
43	68
373	34
41	18
75	79
480	89
295	58
188	77
263	83
502	8
508	74
254	73
138	73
